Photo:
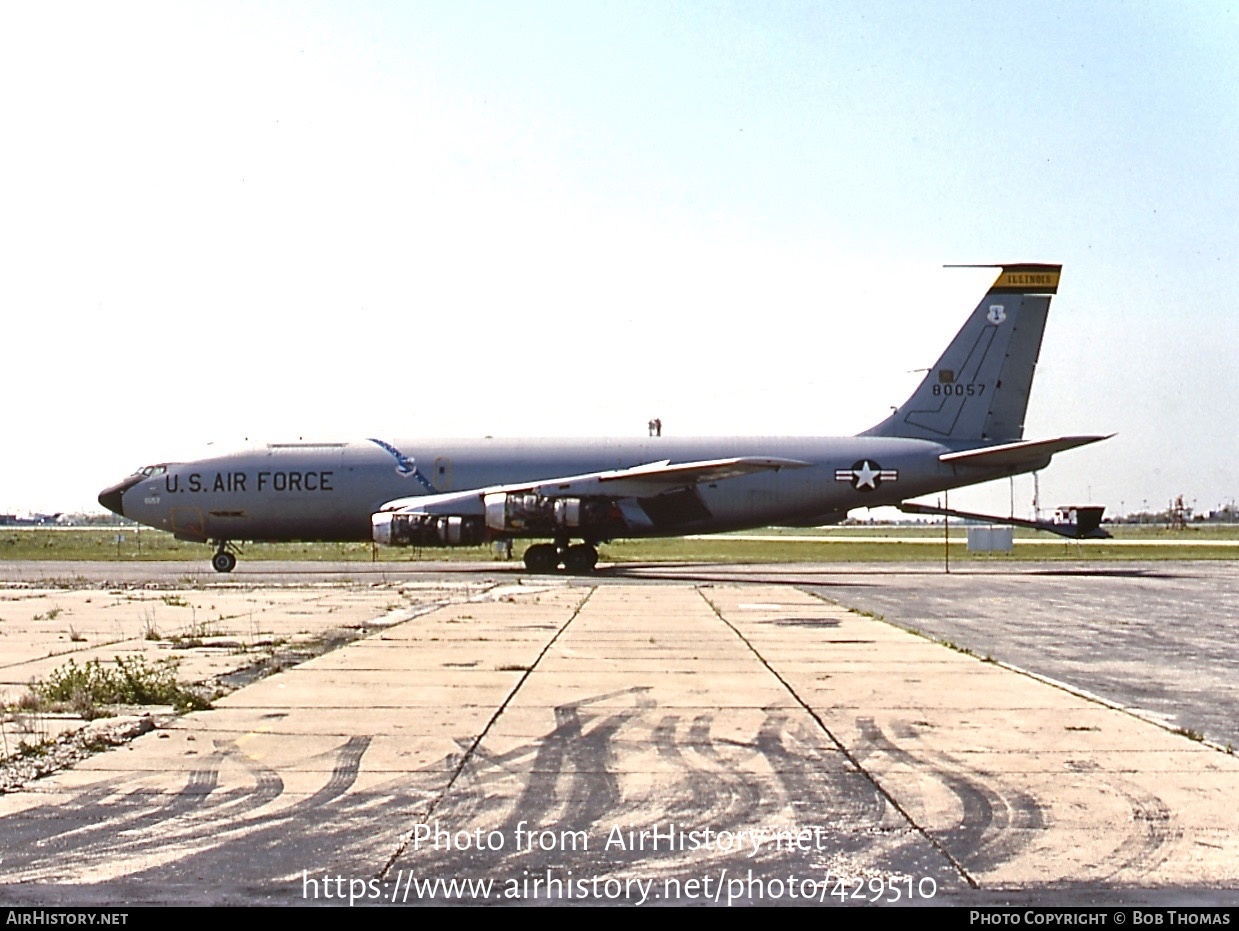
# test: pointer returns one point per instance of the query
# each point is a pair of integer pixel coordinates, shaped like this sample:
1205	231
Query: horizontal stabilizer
1079	523
1018	454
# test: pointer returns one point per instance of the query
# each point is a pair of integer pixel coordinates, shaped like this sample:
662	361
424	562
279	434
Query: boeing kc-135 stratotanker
963	425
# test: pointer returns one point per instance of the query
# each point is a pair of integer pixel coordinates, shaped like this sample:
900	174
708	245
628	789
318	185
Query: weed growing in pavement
129	681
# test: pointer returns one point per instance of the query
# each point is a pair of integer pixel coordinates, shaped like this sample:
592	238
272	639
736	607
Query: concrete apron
636	743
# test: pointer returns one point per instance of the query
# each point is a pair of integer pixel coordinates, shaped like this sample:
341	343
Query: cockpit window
152	470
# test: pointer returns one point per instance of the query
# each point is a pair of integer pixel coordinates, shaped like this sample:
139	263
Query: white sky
228	223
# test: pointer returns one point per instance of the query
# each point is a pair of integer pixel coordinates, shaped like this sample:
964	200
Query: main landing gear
224	559
546	557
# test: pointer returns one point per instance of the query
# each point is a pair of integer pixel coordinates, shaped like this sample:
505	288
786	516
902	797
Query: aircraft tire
542	557
580	559
223	561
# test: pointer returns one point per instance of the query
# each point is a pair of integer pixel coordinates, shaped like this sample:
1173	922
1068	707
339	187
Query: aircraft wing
660	476
1018	454
637	482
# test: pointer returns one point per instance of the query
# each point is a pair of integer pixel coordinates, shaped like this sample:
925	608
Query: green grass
1202	532
129	681
860	544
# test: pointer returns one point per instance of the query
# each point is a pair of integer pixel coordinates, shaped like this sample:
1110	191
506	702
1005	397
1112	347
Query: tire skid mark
26	831
806	789
991	828
708	785
343	775
268	784
468	755
957	866
711	793
201	782
570	782
699	735
120	826
572	754
292	838
593	789
107	819
1148	845
862	802
663	737
124	826
996	822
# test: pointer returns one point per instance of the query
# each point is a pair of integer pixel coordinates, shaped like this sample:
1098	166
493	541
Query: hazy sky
229	223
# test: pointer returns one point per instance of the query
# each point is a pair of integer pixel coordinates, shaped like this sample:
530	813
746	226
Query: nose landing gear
224	559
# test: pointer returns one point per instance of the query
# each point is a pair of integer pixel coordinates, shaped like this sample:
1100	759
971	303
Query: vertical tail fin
978	389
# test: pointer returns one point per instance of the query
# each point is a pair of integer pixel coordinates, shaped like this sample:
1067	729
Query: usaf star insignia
866	475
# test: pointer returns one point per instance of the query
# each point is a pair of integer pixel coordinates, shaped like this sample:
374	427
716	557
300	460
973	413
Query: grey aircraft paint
962	426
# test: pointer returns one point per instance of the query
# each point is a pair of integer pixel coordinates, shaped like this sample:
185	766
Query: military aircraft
963	425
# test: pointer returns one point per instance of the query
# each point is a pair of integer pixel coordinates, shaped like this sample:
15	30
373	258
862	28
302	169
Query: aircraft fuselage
329	491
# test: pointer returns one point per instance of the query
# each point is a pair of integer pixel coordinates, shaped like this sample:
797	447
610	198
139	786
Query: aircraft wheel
223	561
542	557
581	559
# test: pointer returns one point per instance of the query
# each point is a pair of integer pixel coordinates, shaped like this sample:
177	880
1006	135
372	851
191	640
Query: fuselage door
442	478
187	523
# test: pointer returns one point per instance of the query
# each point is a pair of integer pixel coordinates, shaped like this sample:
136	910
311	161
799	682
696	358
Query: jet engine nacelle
505	514
395	529
528	514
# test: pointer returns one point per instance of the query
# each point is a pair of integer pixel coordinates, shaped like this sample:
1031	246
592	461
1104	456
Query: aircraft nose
112	497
